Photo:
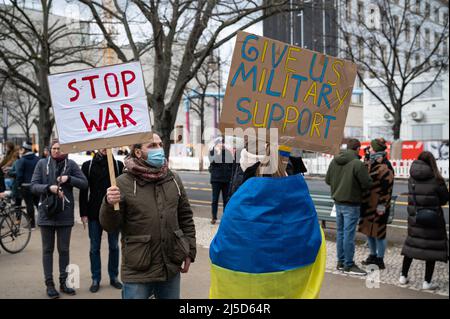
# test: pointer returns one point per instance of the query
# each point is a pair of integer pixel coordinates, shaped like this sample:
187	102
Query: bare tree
205	80
21	107
32	42
394	46
183	34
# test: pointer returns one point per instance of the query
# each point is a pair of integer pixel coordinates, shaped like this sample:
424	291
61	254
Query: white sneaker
429	286
403	280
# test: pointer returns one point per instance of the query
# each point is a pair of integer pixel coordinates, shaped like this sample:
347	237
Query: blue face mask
156	158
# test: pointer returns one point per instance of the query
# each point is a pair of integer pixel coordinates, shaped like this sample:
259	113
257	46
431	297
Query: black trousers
217	188
429	268
62	234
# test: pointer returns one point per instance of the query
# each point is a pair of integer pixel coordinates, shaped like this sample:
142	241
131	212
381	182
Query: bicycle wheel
15	232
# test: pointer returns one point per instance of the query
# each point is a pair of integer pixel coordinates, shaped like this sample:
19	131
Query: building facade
319	26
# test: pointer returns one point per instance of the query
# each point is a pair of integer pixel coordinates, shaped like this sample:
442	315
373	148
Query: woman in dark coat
376	205
57	170
427	189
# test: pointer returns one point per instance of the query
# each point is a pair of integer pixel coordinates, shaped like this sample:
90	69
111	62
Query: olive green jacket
157	227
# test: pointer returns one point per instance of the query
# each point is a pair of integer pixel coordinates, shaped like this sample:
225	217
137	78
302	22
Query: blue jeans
377	246
161	290
95	236
347	218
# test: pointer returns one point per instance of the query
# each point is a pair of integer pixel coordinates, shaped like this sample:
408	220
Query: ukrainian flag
269	243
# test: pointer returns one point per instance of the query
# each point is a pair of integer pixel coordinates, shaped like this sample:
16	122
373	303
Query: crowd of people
150	210
362	192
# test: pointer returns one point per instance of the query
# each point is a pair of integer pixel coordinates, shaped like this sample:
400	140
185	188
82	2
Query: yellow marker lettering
266	114
336	71
341	100
315	124
264	51
261	81
286	81
290	58
309	93
286	118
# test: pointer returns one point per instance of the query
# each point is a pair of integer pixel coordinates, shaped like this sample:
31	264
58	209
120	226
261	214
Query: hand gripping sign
100	108
303	94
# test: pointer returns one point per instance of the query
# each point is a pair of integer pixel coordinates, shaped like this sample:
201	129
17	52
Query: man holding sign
155	220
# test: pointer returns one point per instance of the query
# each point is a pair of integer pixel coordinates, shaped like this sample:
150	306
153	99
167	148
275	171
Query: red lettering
91	79
105	79
110	118
77	93
125	81
126	116
92	123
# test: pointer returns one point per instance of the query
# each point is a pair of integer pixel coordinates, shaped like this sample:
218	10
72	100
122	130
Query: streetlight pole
219	85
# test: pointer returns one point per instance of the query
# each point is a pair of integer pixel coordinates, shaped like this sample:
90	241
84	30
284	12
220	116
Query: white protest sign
101	107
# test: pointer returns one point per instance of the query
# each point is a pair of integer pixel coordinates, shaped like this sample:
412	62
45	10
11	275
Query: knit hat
378	144
27	146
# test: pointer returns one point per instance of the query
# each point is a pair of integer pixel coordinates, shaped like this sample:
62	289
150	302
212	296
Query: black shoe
95	286
63	288
380	263
340	266
213	221
355	270
116	284
372	259
51	291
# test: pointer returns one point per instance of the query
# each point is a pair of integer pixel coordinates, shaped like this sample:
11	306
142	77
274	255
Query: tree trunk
45	126
397	124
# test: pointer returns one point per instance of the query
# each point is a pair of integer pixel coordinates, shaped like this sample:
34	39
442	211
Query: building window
417	36
418	6
436	15
360	12
427	132
417	59
353	132
381	131
434	92
348	10
437	37
427	39
384	54
407	31
396	23
361	48
427	10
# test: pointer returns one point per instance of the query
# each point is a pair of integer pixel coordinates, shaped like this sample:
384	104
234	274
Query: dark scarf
142	171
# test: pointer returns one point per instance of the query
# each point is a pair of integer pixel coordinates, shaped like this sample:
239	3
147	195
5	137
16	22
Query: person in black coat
24	172
427	190
221	169
56	176
97	174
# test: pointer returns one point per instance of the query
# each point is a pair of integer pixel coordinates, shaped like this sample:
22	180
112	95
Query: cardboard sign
304	94
101	107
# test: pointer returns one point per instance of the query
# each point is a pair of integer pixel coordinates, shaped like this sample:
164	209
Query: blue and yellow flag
269	243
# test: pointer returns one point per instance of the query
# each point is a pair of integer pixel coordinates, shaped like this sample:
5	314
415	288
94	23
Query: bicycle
15	226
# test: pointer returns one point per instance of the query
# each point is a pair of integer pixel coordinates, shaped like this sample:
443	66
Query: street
198	188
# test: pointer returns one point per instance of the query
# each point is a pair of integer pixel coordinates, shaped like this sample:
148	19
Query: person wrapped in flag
269	243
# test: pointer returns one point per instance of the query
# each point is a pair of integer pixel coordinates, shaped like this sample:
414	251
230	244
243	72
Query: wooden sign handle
112	175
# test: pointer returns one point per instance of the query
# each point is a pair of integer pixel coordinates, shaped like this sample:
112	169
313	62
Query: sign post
101	108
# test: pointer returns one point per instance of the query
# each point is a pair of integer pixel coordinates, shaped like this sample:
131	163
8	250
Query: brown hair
353	144
133	149
429	159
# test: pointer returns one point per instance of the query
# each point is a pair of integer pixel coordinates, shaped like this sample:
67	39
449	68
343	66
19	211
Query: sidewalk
21	274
